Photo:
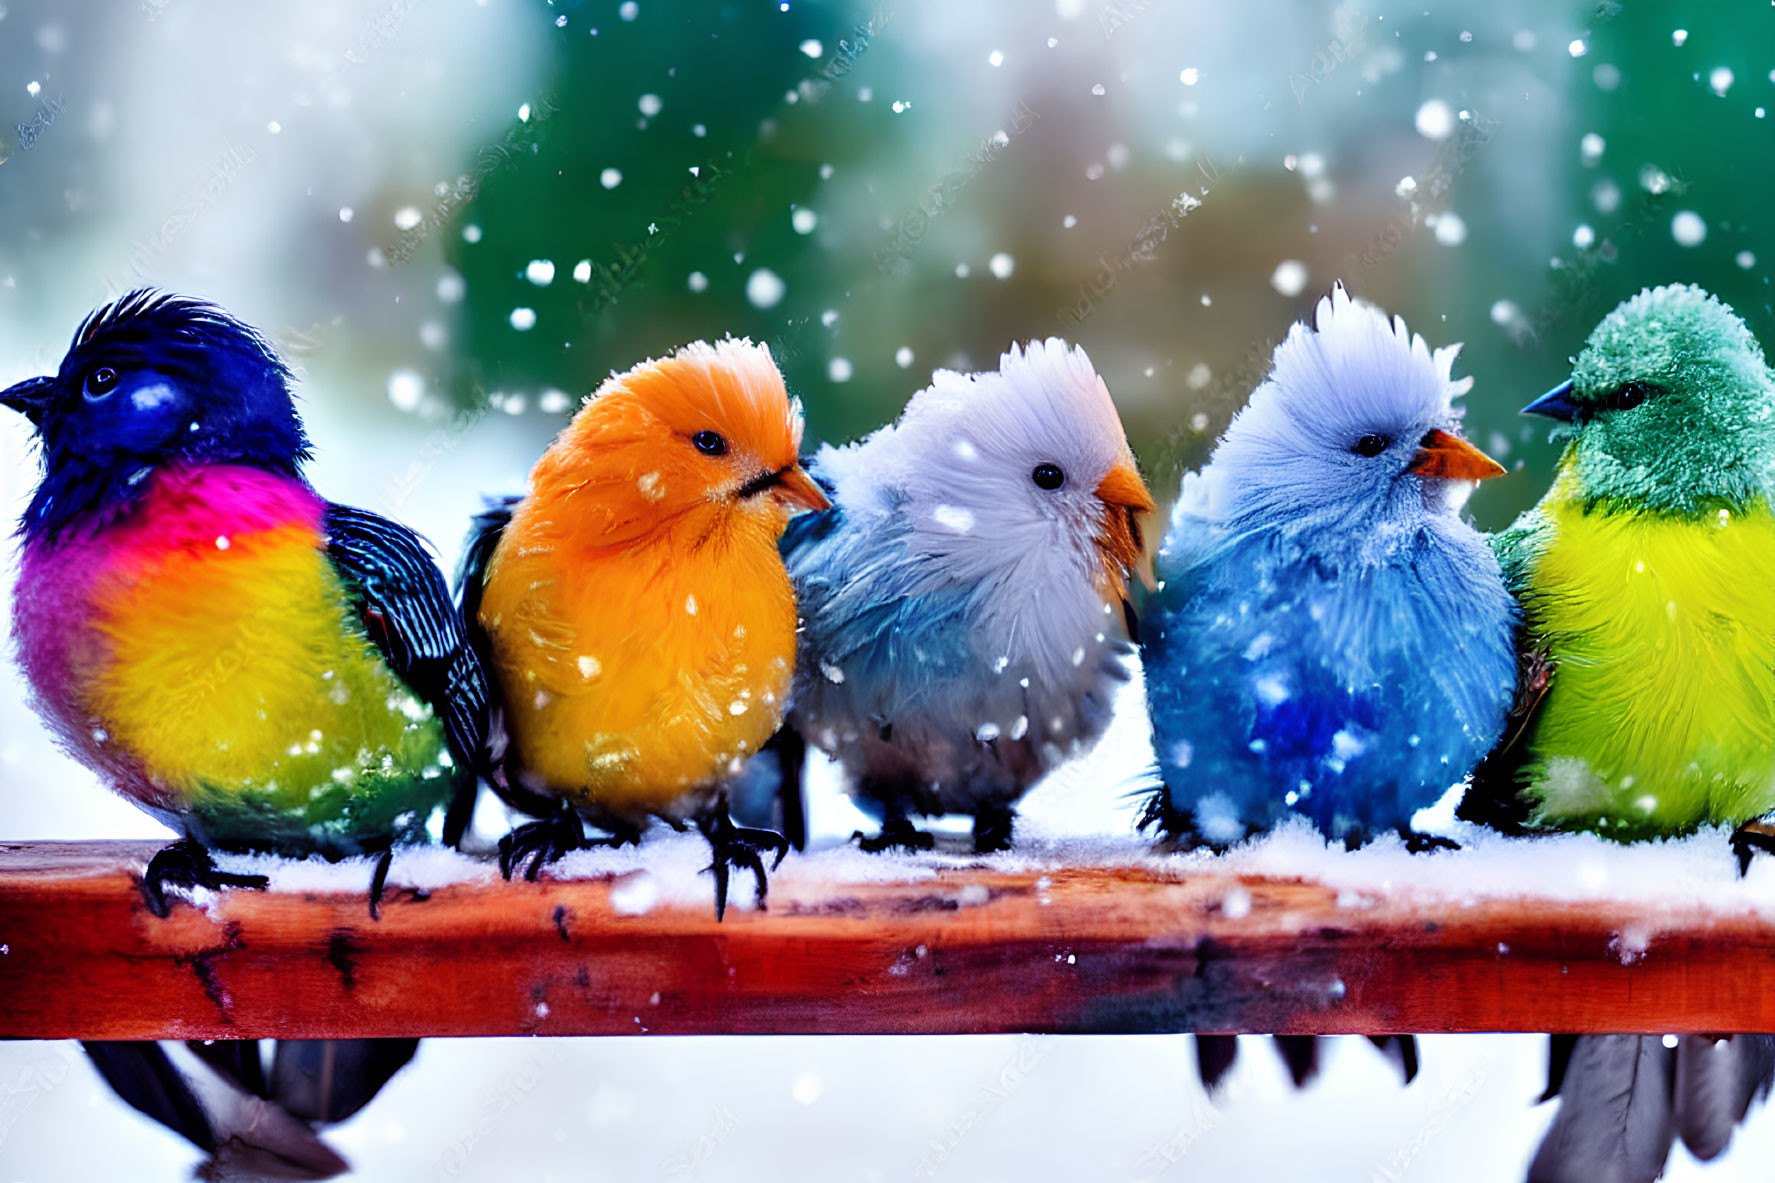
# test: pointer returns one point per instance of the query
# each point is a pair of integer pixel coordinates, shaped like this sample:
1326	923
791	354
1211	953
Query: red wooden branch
976	950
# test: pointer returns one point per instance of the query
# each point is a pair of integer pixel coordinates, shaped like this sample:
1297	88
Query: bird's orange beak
1444	454
1122	543
798	489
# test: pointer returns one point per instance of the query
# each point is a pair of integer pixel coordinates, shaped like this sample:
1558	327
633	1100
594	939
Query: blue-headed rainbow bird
1648	641
258	668
637	619
964	602
253	665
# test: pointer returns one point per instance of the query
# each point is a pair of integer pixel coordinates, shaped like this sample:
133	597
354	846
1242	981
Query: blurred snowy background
456	217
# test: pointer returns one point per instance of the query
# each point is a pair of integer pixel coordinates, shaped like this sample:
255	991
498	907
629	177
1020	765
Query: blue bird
964	602
1330	638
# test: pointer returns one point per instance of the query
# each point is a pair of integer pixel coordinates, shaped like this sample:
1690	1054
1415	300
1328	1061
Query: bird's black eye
709	443
1048	476
100	383
1371	445
1630	394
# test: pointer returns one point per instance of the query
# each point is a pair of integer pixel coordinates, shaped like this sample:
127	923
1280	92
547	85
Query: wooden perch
1094	949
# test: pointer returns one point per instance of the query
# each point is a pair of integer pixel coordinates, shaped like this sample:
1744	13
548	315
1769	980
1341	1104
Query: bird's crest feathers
732	386
1292	455
150	326
1353	359
1042	393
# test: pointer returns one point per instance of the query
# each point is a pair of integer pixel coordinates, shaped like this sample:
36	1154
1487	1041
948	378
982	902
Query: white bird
963	604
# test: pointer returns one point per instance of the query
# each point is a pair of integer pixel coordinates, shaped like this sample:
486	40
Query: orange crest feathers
691	430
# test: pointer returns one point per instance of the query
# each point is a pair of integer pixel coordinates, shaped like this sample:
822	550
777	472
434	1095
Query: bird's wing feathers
408	613
1494	796
483	539
484	534
862	607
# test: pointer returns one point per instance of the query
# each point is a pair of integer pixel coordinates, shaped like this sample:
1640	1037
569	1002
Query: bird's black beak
29	398
1556	404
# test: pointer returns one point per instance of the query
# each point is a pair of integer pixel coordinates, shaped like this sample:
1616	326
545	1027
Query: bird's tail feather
1402	1050
1625	1099
1617	1119
1216	1054
1300	1054
253	1124
329	1080
1716	1081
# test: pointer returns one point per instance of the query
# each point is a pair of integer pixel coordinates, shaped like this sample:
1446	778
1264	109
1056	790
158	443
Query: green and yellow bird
1646	576
1646	709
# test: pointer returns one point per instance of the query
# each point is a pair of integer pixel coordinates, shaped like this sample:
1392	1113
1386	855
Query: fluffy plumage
256	667
1642	576
963	602
1330	637
635	609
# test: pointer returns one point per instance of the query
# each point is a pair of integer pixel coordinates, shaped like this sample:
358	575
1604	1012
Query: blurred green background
1561	156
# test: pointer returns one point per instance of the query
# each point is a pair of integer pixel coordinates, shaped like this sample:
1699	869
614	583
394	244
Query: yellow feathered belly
637	680
1661	712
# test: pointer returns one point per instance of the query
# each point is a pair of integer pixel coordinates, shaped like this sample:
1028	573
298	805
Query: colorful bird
634	608
1648	639
1330	638
256	667
1642	577
964	604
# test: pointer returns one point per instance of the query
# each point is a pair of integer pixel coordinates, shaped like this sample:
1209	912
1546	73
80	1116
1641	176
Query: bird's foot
896	834
1174	828
1750	838
992	829
379	881
736	846
1419	843
187	864
541	842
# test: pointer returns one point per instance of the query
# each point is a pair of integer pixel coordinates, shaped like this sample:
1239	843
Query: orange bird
634	609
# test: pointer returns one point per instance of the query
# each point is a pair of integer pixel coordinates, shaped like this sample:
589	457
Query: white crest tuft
1292	452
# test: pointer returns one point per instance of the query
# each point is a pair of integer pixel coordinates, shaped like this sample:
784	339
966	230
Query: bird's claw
896	834
1419	843
188	864
541	842
992	830
1750	838
1175	829
736	846
379	881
